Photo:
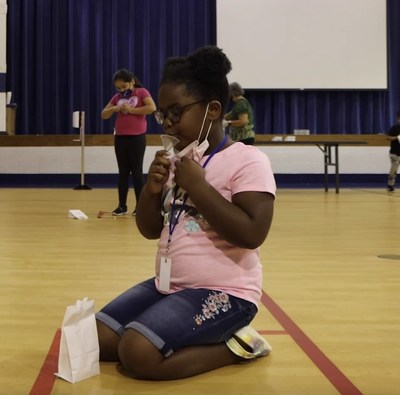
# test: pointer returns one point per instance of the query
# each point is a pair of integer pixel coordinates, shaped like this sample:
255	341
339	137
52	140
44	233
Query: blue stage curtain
61	56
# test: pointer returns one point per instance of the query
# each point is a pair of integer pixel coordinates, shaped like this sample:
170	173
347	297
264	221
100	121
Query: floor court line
45	381
321	361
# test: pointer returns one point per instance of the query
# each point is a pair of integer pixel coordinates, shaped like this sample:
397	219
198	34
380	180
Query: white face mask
169	143
194	150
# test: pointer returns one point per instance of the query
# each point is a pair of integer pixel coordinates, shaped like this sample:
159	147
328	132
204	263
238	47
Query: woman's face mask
126	93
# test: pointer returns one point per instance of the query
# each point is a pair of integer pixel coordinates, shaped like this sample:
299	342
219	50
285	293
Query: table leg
327	155
337	167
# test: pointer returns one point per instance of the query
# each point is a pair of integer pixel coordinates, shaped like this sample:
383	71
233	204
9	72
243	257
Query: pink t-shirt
200	258
130	124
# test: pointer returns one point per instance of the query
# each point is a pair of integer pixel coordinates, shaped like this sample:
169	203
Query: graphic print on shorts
216	303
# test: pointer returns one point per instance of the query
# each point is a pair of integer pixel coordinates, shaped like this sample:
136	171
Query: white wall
305	44
101	160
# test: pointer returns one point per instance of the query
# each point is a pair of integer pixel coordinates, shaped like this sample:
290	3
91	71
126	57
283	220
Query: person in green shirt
240	119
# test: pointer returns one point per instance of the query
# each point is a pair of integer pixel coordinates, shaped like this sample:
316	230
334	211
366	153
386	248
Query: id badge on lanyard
165	260
165	273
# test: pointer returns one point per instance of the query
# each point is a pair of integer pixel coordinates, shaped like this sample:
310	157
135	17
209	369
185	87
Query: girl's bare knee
139	356
108	342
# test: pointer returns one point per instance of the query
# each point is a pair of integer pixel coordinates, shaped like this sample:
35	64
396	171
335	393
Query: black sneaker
120	210
390	188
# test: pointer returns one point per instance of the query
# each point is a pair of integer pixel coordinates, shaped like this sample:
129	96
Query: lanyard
172	222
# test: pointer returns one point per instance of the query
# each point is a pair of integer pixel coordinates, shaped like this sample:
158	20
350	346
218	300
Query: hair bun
209	64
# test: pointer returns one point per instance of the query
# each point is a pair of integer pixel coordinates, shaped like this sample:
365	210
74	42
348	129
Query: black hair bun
209	64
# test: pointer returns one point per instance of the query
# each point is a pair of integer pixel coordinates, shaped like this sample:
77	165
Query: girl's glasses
173	114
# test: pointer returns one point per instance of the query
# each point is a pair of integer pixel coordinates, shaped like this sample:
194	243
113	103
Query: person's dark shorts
185	318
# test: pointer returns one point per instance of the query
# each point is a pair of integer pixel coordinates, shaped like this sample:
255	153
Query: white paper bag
79	347
77	214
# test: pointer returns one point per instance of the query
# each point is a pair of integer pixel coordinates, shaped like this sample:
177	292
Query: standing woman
240	119
132	103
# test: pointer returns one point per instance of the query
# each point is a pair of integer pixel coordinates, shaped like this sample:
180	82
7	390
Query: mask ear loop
202	125
208	131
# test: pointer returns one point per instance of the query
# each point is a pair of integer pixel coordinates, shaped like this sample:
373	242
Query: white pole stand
78	121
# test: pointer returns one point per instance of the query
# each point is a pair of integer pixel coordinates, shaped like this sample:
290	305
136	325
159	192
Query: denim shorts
173	321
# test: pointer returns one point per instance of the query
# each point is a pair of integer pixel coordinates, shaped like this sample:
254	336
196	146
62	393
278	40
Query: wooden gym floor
330	309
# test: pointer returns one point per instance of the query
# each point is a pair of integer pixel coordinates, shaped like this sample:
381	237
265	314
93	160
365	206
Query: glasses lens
159	117
174	114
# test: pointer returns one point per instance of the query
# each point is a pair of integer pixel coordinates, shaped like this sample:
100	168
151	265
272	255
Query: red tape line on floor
45	380
321	361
